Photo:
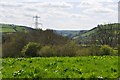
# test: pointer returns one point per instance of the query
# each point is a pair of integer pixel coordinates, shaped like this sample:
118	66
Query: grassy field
61	67
7	28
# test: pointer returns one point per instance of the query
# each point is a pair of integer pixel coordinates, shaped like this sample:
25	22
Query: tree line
107	34
39	43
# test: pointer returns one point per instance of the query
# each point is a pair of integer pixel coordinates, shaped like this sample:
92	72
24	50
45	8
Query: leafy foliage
70	49
31	49
46	51
61	67
13	43
106	50
53	44
106	34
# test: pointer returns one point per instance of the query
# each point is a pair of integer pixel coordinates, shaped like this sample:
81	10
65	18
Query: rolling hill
11	28
85	36
72	34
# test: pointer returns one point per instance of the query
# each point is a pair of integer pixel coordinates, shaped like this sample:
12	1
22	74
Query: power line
36	21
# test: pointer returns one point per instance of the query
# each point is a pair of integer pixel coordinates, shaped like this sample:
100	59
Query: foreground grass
61	67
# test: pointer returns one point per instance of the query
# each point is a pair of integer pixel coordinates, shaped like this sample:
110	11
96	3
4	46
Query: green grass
61	67
7	28
10	29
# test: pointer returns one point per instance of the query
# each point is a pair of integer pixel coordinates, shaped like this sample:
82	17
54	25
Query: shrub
8	50
115	52
69	49
119	50
106	50
83	52
46	51
31	49
94	50
57	50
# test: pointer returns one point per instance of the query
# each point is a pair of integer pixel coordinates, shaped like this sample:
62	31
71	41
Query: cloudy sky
59	14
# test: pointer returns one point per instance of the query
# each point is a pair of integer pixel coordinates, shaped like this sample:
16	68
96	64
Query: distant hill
78	35
70	33
11	28
8	28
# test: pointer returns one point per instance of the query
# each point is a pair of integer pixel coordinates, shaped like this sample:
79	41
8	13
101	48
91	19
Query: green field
8	28
61	67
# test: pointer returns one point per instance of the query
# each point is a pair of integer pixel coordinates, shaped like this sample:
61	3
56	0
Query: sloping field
7	28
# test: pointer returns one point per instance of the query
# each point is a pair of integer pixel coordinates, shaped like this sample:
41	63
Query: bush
69	49
94	50
115	52
8	50
106	50
31	49
83	52
119	50
46	51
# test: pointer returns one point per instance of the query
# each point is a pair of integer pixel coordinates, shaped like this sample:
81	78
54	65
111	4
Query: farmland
10	28
61	67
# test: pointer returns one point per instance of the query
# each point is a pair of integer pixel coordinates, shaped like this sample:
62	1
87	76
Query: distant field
13	28
7	30
61	67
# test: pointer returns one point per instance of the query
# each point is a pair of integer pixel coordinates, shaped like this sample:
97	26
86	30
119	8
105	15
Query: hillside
15	38
11	28
8	28
81	36
106	26
84	37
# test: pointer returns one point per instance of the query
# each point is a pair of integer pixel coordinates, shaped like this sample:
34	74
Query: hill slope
8	28
90	33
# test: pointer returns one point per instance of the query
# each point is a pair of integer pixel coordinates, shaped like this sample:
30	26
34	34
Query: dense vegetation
24	48
13	43
101	35
34	43
57	67
44	54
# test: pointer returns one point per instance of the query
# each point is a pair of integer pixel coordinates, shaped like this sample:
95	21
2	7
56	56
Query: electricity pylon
36	21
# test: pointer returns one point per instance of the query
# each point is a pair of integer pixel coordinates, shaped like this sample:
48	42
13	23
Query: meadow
61	67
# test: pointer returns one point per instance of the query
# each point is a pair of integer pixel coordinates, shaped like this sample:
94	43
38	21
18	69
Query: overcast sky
59	14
